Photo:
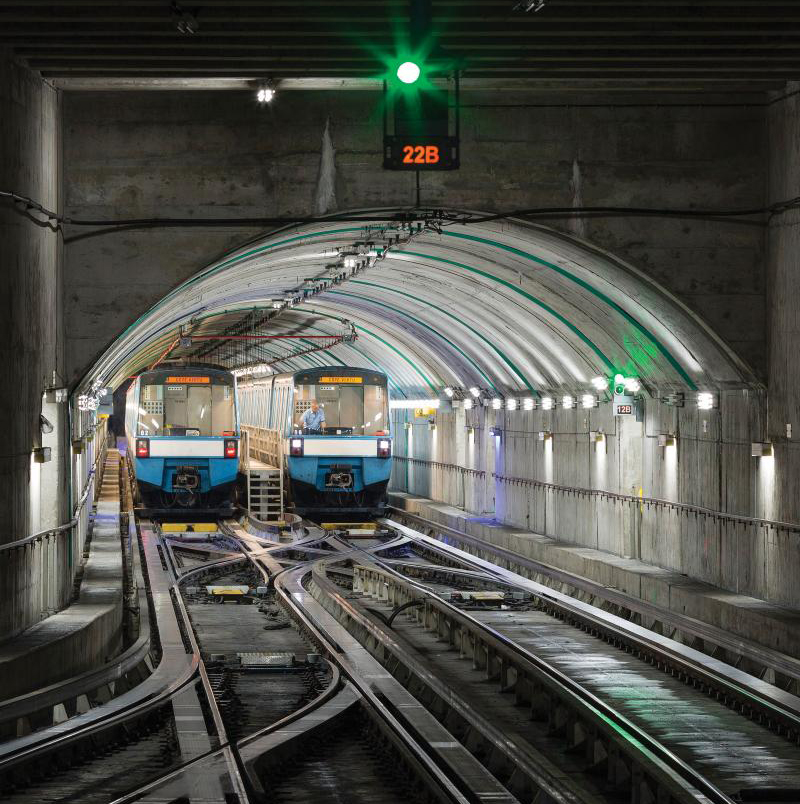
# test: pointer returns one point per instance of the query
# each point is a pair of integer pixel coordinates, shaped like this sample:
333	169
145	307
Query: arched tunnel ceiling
510	307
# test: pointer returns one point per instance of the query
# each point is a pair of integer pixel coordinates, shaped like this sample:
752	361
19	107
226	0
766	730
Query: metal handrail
612	495
42	534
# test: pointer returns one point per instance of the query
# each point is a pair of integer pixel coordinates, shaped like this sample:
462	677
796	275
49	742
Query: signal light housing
142	447
296	447
231	448
384	448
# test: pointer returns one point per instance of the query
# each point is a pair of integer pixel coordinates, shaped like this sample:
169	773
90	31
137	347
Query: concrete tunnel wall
143	154
139	154
710	466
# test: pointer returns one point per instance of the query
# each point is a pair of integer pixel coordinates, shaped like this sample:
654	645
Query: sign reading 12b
420	153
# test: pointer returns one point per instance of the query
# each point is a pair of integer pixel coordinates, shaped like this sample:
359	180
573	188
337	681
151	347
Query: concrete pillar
776	483
30	324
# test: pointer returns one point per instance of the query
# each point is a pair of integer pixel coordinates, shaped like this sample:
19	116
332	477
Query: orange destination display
189	380
342	380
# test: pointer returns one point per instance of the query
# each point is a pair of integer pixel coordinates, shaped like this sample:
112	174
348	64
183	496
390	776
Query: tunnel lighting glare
408	72
476	392
529	404
467	404
567	402
632	385
497	403
601	383
265	94
547	403
411	404
706	401
449	392
277	304
511	404
589	401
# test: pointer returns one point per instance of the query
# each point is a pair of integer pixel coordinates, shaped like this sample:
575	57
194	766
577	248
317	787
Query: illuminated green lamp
408	72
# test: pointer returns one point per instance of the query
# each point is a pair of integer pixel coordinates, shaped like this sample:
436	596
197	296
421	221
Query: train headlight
142	447
231	447
296	447
384	448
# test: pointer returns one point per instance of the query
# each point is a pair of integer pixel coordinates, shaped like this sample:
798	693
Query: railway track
720	738
371	668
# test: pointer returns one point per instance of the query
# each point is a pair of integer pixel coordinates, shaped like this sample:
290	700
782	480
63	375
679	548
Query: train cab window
173	409
351	408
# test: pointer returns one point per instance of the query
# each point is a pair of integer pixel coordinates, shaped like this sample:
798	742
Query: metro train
342	469
182	429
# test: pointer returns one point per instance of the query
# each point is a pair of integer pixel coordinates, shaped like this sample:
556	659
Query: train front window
184	409
349	408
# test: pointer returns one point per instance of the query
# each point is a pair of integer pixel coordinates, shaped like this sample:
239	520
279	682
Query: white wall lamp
666	440
761	449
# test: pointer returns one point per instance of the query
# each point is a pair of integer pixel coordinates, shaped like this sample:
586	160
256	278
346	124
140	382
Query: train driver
313	419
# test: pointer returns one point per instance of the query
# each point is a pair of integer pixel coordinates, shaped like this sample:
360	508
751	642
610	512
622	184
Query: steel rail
637	740
151	694
227	749
425	765
755	653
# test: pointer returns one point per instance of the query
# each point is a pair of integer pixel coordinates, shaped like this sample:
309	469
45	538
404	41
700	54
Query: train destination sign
189	380
342	380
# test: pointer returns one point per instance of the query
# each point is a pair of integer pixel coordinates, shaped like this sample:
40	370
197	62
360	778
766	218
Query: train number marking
420	154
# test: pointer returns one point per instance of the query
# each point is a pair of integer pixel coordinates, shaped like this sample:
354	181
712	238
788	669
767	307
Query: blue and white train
182	427
343	470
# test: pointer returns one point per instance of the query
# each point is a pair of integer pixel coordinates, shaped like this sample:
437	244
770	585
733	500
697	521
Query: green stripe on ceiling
596	349
586	286
386	343
475	332
232	261
420	323
158	346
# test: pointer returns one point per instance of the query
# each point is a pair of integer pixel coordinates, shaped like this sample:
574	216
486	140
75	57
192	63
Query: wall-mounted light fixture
567	402
666	440
468	404
41	454
511	404
676	400
407	425
761	449
589	401
547	403
497	432
597	436
529	403
545	435
707	400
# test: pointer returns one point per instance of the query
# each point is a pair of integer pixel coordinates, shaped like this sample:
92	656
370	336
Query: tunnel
400	402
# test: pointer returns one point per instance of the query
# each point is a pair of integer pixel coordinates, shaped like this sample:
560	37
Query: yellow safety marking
348	525
220	590
188	527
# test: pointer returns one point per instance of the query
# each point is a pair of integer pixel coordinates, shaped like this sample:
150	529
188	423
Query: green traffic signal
408	72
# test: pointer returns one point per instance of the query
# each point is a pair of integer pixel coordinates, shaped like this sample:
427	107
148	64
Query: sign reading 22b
420	154
425	153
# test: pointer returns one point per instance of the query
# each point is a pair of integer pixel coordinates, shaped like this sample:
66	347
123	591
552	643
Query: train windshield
186	406
350	405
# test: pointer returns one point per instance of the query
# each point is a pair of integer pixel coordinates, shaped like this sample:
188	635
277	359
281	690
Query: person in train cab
313	419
